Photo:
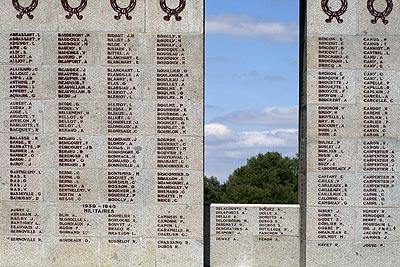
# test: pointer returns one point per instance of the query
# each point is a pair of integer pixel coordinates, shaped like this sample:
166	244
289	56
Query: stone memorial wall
101	159
349	134
254	235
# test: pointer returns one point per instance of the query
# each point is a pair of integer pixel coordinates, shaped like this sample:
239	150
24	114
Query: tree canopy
266	179
212	190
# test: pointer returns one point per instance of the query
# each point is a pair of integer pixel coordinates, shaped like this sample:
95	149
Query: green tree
212	190
265	179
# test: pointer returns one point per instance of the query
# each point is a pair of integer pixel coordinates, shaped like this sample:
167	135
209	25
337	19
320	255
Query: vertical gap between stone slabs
302	90
207	235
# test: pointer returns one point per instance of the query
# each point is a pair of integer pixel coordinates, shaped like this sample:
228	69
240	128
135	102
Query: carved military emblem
334	14
25	10
123	10
380	15
74	10
173	11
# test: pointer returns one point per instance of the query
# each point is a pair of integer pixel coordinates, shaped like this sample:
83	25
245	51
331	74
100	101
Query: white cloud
233	154
227	149
286	117
248	26
260	139
208	106
221	139
283	113
218	131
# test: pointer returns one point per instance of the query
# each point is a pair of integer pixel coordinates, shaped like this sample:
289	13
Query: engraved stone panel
349	141
101	159
254	235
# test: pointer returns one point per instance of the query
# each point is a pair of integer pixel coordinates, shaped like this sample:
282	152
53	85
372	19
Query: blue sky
251	81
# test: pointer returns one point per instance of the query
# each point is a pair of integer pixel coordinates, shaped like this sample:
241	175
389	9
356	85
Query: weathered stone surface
349	138
254	235
101	159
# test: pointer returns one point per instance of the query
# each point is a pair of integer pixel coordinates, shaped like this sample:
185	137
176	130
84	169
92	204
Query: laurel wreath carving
334	14
25	10
173	11
123	10
380	15
74	10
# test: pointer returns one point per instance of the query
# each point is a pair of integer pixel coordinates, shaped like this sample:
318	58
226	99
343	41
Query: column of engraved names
379	154
332	107
231	223
376	87
273	225
271	221
125	136
174	142
378	186
172	114
332	86
23	133
334	115
332	53
75	144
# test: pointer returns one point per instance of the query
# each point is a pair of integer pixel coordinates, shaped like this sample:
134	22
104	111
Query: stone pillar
349	137
101	160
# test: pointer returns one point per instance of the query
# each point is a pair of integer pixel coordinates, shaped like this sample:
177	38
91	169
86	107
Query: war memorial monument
349	133
101	160
101	137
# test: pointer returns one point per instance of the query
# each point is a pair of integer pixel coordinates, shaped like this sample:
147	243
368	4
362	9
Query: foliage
212	190
265	179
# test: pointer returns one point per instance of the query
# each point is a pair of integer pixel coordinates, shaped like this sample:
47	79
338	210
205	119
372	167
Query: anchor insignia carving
123	10
380	15
334	14
25	10
74	10
173	11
